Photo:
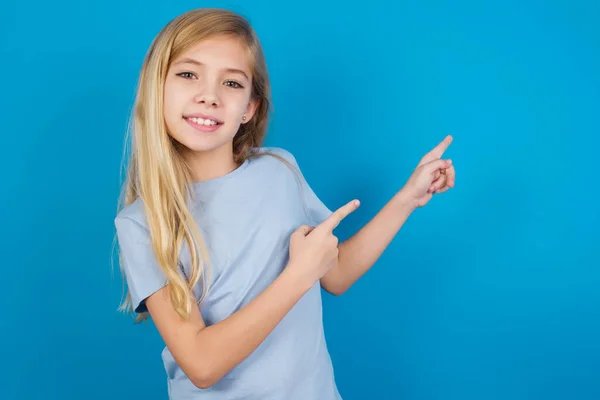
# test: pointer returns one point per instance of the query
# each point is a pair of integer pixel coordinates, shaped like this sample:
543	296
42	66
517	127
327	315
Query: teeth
202	121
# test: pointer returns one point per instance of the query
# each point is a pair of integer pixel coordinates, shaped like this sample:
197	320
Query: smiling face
207	94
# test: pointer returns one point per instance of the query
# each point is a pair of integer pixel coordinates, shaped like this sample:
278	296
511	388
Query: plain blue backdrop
492	291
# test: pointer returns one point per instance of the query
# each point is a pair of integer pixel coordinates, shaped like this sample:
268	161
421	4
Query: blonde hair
157	172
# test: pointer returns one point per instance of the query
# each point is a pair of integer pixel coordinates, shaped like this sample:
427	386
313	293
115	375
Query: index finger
338	215
441	148
438	150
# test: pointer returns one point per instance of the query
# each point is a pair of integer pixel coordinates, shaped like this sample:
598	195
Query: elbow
335	290
338	292
334	282
203	378
201	382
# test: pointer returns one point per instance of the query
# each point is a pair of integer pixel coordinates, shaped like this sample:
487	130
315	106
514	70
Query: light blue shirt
246	218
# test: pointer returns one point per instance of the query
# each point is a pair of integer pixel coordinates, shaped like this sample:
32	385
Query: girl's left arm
358	254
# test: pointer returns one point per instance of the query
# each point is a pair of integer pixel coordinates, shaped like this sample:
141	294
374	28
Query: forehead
220	52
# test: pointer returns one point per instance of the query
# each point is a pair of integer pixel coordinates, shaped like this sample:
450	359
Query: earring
244	118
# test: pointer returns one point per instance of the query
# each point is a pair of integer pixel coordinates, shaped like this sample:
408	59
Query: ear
251	110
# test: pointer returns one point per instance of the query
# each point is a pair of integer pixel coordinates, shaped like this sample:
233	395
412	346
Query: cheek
172	103
170	109
172	112
237	103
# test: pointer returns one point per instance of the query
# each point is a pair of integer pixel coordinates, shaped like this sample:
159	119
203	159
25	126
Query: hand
432	175
314	251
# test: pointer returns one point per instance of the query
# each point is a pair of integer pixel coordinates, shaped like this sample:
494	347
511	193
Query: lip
203	116
203	128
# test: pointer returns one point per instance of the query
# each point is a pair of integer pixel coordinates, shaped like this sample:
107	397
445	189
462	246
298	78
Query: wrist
297	278
404	202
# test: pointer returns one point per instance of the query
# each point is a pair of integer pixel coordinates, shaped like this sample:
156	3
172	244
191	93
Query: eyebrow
198	63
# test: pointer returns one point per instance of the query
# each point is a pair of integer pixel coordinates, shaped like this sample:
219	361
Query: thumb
433	166
303	230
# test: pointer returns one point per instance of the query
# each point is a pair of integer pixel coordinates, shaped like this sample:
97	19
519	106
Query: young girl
222	241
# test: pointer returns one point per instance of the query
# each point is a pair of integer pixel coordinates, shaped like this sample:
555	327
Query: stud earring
244	118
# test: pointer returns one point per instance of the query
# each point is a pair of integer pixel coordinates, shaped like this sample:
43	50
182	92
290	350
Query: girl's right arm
206	354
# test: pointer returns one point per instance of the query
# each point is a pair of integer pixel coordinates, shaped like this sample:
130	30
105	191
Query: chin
202	144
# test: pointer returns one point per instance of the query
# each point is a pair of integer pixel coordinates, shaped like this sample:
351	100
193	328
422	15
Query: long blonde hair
157	173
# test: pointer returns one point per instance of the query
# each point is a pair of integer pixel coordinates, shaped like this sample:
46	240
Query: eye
186	75
234	84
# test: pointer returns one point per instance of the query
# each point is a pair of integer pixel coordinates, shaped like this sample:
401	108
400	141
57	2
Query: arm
206	354
358	254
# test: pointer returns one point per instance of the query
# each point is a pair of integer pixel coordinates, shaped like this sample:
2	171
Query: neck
211	164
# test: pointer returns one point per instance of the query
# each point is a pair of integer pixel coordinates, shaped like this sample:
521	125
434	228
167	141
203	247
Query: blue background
492	291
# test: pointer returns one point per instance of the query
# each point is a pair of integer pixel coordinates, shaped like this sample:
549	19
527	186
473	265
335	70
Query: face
207	94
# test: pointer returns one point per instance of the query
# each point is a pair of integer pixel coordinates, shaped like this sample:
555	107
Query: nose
207	95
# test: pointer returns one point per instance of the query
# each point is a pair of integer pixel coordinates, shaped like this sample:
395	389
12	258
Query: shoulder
276	154
131	216
280	151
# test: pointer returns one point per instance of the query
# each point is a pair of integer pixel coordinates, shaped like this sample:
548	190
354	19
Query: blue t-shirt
246	219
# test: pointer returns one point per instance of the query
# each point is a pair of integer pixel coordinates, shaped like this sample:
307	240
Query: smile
202	124
202	121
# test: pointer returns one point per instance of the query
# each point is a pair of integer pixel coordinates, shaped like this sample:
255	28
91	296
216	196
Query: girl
222	241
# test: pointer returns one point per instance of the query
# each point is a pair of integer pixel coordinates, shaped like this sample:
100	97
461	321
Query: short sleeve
143	274
317	210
